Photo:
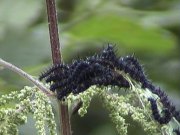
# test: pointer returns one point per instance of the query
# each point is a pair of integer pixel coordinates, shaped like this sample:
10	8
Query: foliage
29	100
133	104
153	20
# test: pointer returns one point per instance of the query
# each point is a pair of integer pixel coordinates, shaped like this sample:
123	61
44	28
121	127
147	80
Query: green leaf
125	32
27	48
19	13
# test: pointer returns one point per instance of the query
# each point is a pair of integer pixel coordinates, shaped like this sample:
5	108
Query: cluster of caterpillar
102	70
81	74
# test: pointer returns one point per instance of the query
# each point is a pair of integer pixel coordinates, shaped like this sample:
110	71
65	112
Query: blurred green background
150	29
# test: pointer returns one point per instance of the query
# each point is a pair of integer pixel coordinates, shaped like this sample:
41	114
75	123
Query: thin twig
56	56
26	76
76	107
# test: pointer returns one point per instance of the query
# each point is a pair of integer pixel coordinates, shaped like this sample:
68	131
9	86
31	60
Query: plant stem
26	76
56	57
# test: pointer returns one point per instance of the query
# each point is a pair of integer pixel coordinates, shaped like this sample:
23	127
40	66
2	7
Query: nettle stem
65	126
26	76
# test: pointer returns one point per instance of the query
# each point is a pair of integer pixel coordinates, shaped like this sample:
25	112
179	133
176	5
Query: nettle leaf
166	19
29	47
28	50
128	33
12	12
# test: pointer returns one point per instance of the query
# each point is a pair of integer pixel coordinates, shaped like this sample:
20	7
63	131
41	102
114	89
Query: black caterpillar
102	70
164	119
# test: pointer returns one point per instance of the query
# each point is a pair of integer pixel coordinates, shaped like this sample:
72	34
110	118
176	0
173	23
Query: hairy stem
26	76
56	57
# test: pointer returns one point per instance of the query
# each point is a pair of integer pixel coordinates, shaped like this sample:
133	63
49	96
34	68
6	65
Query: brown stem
26	76
65	126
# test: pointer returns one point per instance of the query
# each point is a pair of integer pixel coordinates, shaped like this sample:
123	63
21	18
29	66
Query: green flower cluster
133	104
11	118
42	113
86	97
120	107
28	100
